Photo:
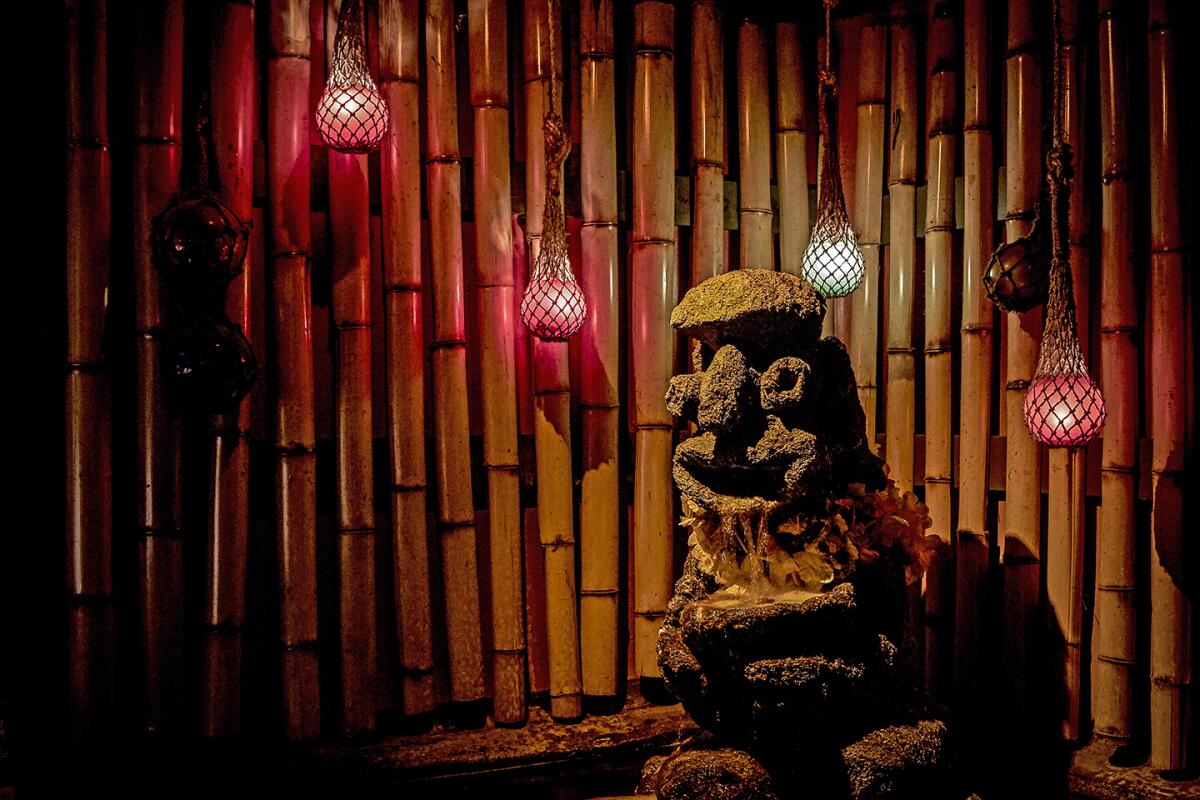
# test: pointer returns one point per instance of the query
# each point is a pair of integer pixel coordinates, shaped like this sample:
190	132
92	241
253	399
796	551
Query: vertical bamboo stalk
900	410
456	513
350	245
902	194
158	119
939	391
551	386
1115	617
288	127
1171	624
488	30
868	211
1066	471
974	419
87	401
600	510
1022	501
400	191
708	141
754	148
652	296
232	92
791	148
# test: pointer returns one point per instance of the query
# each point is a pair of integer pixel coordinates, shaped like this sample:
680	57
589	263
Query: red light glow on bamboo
1064	410
553	308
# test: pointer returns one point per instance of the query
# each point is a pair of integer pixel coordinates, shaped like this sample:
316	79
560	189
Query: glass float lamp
1064	406
833	262
553	307
352	115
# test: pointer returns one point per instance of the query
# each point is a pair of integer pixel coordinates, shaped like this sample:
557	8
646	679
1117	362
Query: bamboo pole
902	193
350	245
791	148
400	190
900	409
551	386
1022	503
400	185
1171	623
87	402
158	119
232	91
974	419
1066	471
600	506
456	513
1115	616
708	141
652	296
754	149
939	391
868	211
488	31
288	115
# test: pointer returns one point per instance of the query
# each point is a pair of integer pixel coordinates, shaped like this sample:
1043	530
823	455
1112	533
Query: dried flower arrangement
809	553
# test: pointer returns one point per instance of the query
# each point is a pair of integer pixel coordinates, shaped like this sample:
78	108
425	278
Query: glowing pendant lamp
553	307
1064	406
352	115
833	262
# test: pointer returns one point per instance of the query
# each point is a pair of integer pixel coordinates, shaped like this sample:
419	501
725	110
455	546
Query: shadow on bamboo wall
383	534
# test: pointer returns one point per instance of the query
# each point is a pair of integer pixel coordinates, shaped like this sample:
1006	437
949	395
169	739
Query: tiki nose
727	391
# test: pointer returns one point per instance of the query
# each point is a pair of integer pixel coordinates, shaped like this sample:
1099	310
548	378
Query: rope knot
1058	165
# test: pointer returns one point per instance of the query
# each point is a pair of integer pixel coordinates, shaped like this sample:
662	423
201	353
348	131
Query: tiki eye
784	384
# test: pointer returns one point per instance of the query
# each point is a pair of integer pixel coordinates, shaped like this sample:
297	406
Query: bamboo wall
390	522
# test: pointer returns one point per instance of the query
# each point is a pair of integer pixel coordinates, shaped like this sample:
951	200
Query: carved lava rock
797	688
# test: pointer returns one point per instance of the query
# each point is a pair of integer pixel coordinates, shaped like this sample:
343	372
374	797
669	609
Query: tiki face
771	400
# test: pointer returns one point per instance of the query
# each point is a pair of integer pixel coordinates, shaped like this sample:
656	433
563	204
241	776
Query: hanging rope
833	263
1064	406
553	307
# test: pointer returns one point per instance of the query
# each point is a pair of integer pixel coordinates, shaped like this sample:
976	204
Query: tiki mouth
748	478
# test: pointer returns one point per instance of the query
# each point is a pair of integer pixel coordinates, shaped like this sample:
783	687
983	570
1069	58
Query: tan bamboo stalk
868	211
158	119
1066	471
1171	626
939	233
551	385
1022	503
87	401
974	417
754	149
1115	617
488	31
350	257
652	296
456	514
791	148
708	141
900	410
902	194
600	506
288	129
232	93
400	191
